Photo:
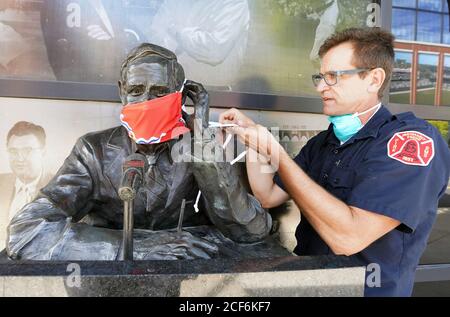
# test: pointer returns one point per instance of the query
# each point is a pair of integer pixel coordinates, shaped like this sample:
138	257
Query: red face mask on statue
154	121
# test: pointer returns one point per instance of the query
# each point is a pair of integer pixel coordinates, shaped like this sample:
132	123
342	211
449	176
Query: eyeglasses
331	77
25	152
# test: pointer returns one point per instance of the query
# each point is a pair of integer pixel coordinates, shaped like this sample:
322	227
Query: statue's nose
150	96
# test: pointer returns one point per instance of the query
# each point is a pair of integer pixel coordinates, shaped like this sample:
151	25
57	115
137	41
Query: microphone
132	175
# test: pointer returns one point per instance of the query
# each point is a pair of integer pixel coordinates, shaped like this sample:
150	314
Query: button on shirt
362	174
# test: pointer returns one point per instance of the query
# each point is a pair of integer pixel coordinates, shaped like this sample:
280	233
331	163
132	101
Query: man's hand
171	245
235	116
253	135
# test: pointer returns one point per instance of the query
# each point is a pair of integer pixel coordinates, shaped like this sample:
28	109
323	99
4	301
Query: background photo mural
250	46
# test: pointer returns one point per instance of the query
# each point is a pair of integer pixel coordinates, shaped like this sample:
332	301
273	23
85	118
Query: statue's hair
147	49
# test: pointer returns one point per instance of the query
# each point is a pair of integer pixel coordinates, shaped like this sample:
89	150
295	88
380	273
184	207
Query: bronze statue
79	216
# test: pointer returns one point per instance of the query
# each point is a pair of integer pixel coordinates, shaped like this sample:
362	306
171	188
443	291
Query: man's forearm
259	175
333	220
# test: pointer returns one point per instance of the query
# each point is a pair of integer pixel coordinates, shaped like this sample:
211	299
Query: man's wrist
276	155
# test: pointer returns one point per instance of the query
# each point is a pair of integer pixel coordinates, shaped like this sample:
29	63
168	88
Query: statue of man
79	216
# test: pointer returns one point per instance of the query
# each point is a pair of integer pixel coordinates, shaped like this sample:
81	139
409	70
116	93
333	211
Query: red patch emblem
412	148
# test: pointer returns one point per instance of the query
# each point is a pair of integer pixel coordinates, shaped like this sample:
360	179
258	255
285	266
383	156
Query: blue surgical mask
347	125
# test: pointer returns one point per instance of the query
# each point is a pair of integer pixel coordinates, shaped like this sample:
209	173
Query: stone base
283	276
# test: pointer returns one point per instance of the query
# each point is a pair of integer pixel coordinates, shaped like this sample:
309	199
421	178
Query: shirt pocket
340	182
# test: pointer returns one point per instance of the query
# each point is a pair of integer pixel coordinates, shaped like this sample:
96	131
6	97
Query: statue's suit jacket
78	214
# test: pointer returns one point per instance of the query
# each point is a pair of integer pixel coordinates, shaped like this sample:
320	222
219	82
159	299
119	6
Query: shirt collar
21	185
370	129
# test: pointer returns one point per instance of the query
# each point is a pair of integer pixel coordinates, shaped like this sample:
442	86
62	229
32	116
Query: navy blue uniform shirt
397	166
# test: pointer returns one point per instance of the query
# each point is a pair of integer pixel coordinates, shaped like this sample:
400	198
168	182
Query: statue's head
148	72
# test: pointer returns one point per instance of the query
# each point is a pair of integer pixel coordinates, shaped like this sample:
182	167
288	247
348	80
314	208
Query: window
426	79
432	5
429	27
404	3
446	31
421	20
403	22
401	78
445	97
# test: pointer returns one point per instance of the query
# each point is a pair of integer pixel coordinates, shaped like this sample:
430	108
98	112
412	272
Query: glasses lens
331	78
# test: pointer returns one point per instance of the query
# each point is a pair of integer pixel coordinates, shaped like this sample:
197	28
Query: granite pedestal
279	276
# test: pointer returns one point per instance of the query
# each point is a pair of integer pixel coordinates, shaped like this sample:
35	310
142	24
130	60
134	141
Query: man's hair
22	128
147	49
373	48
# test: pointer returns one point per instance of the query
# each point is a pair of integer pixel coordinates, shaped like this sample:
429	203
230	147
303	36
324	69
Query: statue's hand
204	136
171	245
198	94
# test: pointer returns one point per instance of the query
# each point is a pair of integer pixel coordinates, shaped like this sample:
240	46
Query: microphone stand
133	171
127	238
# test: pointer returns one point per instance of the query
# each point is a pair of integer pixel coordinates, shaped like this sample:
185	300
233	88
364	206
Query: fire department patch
411	148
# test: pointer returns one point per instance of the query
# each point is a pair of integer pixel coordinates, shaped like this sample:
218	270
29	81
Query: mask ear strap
182	86
365	111
183	107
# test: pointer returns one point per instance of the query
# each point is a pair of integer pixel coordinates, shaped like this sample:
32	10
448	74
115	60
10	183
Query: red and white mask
155	121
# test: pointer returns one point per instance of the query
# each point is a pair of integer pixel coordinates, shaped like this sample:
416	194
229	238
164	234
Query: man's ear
377	78
121	92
